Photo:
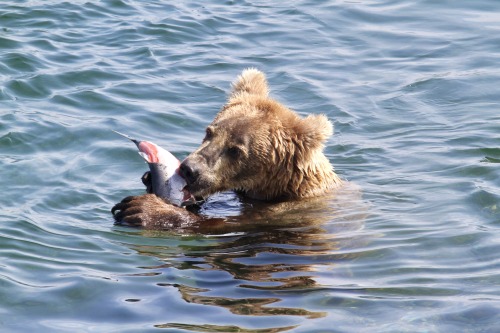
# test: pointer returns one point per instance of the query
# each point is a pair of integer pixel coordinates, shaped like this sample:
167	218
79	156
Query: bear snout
189	172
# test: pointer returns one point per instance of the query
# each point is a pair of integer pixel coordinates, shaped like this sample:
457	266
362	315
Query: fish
166	181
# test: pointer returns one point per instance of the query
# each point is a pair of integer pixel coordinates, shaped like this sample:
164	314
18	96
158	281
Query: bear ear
251	81
314	130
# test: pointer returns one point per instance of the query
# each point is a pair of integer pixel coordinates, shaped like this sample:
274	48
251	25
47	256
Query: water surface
412	88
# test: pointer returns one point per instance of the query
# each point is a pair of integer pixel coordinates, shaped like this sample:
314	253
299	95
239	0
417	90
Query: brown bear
255	146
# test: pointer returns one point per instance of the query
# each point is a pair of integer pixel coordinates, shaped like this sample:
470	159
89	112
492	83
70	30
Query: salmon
166	181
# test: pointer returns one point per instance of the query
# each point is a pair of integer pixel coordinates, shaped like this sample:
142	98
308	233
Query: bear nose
188	172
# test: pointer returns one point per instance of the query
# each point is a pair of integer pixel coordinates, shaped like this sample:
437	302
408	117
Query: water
413	90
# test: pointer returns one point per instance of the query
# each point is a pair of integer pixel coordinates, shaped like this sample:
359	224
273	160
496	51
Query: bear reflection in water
262	259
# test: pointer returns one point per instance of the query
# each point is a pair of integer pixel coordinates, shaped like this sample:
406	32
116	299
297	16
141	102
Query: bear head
258	147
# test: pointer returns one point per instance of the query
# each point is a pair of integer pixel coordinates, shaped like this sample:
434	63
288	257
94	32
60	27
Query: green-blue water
413	88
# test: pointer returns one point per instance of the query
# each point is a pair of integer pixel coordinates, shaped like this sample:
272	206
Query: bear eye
209	133
234	152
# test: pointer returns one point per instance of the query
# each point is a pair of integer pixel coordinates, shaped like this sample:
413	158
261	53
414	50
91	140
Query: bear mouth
197	193
200	190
